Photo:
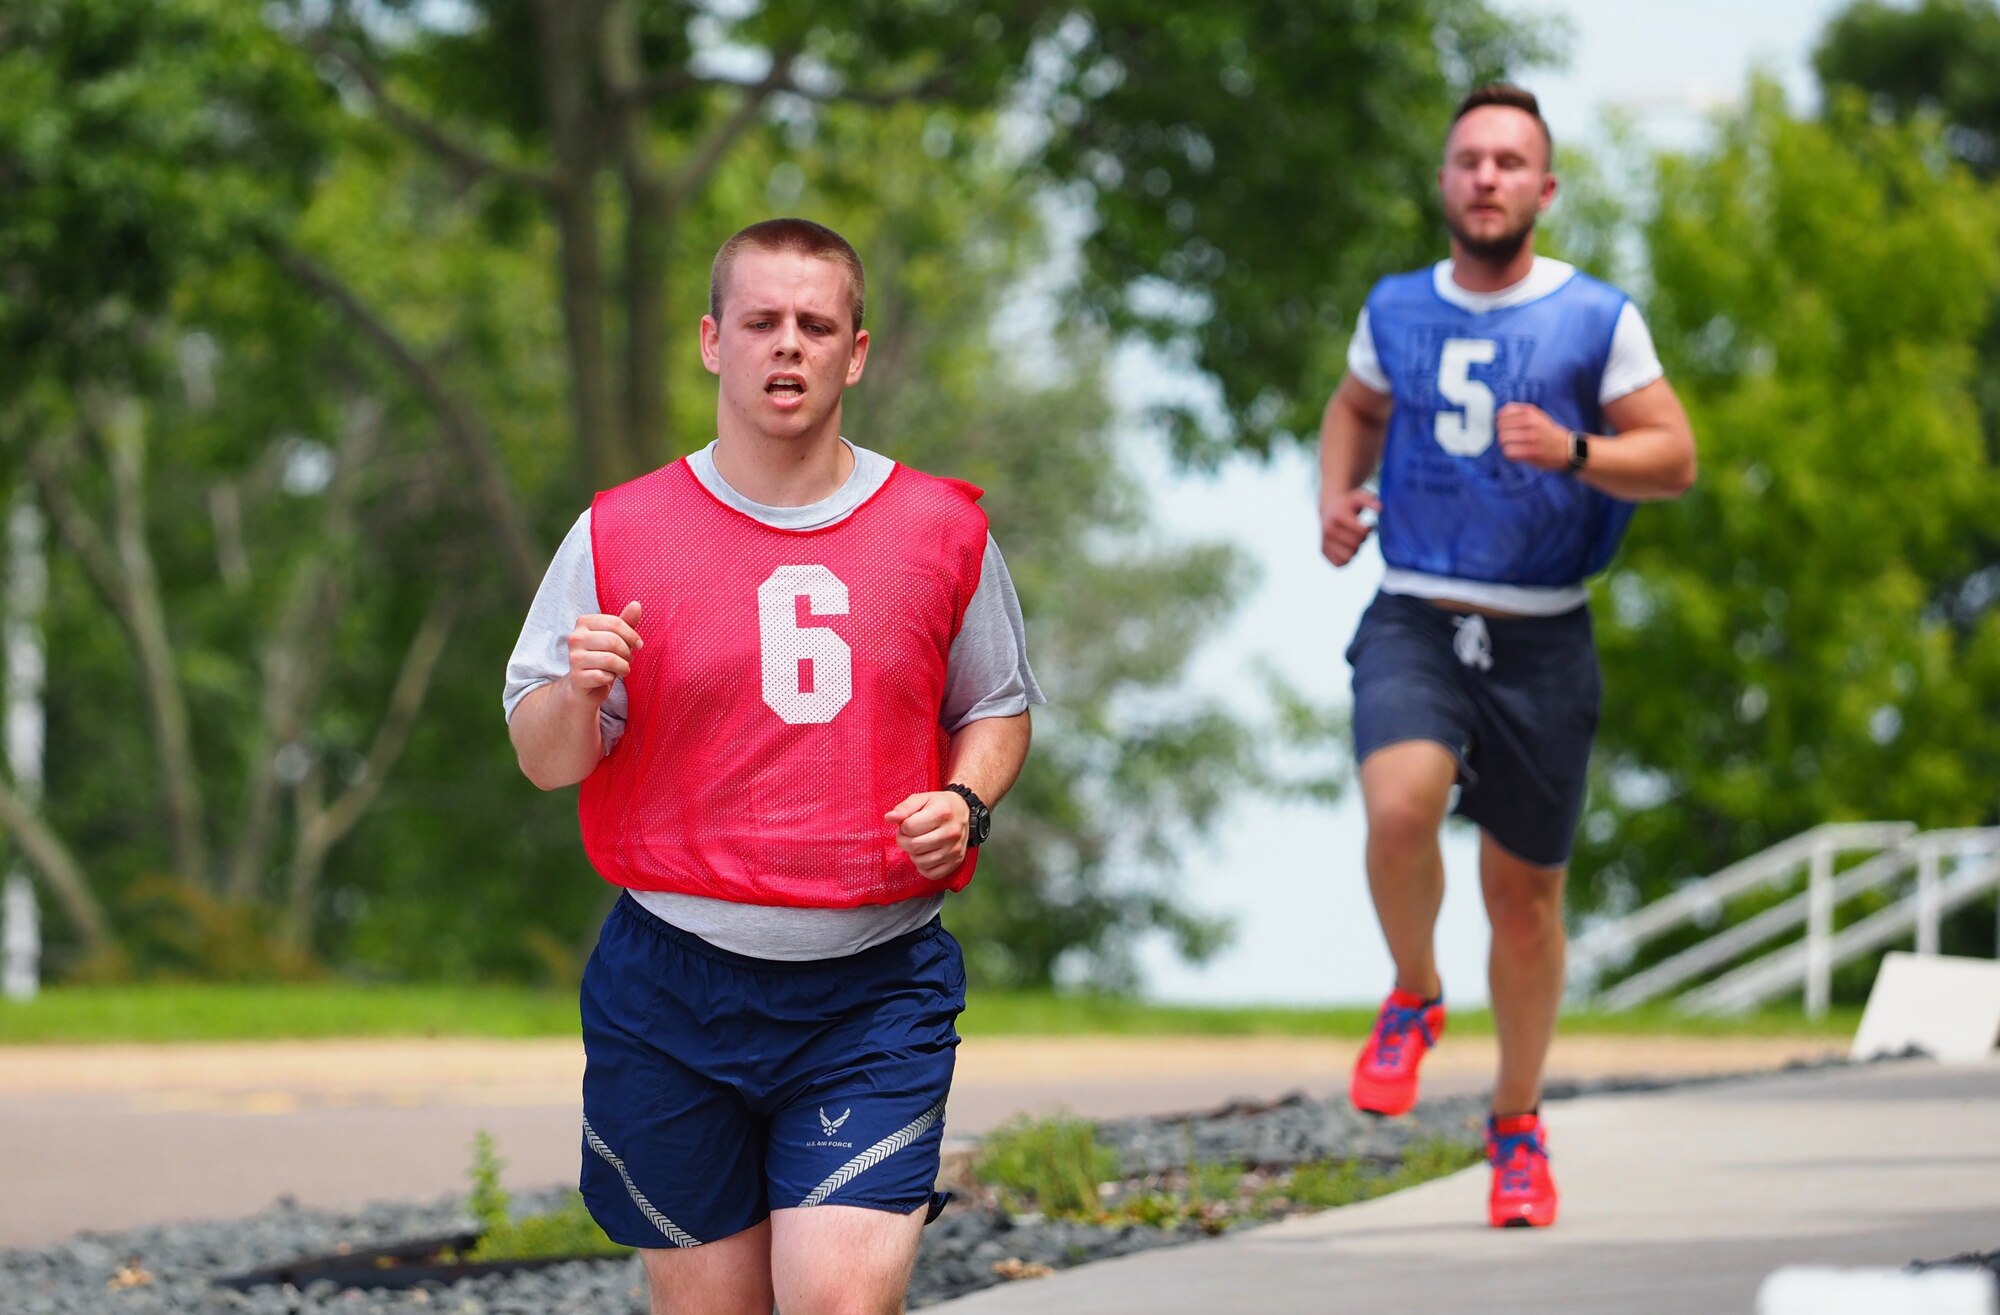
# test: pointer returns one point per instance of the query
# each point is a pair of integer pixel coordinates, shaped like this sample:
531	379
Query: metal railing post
1819	930
1928	859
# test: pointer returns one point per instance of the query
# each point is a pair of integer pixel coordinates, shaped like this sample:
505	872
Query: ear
857	358
1548	193
711	344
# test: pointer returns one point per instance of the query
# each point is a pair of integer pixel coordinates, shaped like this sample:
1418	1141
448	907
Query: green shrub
1324	1184
1053	1164
1213	1182
568	1230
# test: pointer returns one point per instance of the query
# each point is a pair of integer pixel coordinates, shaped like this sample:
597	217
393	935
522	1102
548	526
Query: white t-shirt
986	675
1632	364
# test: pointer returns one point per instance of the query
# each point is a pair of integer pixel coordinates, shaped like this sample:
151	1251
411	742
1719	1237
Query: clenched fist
601	650
1528	435
1342	530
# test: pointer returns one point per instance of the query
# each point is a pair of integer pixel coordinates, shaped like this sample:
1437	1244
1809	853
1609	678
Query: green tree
1780	647
397	287
1934	57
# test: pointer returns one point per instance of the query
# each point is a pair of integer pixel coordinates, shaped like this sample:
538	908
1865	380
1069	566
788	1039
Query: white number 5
1469	433
808	670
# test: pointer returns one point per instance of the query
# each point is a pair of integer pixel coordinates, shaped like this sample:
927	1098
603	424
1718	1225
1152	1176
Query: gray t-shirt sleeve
541	654
987	672
986	675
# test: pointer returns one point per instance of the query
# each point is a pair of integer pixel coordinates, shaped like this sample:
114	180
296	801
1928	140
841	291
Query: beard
1497	249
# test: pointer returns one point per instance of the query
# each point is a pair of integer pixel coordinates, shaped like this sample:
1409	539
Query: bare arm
1351	433
985	756
1651	457
554	728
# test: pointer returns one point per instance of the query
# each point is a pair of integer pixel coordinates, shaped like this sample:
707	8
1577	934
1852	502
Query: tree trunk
646	243
568	32
294	656
61	873
320	829
122	426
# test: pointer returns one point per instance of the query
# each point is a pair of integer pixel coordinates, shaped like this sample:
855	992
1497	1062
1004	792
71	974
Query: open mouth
785	387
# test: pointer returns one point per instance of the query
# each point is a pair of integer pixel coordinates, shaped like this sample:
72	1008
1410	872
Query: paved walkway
111	1137
1678	1201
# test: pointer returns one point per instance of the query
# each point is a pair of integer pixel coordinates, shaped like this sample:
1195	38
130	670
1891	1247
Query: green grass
1050	1164
567	1230
1055	1165
1325	1184
183	1012
1006	1014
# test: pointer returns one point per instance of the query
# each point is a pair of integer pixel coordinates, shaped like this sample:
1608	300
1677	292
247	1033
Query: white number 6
799	698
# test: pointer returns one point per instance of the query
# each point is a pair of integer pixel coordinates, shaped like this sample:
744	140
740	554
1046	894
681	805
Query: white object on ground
1817	1290
1948	1006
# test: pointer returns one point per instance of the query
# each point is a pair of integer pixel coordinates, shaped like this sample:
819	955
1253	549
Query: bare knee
1403	820
835	1297
1405	788
1526	910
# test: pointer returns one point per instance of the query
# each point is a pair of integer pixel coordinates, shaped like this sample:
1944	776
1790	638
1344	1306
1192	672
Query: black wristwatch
1579	449
980	824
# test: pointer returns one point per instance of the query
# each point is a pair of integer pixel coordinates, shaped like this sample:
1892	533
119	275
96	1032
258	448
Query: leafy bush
1054	1164
568	1230
1324	1184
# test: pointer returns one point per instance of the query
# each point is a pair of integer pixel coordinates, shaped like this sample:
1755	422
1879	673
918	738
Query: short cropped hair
801	236
1512	97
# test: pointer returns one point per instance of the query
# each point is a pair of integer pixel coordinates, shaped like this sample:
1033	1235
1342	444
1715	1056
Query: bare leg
1524	971
1406	787
729	1277
843	1259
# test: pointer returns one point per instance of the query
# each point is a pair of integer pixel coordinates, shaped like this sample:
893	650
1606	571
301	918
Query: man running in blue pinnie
1517	411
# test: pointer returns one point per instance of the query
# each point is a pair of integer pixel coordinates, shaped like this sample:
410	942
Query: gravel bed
167	1268
1987	1260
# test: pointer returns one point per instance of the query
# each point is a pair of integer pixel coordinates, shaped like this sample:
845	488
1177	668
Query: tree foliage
324	318
1804	638
1935	57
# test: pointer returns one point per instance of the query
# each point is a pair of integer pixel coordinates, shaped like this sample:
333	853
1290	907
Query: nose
785	343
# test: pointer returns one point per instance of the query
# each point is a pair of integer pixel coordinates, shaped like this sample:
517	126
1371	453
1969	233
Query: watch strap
1579	449
980	822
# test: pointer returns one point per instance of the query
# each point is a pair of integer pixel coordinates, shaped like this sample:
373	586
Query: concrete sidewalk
116	1136
1678	1201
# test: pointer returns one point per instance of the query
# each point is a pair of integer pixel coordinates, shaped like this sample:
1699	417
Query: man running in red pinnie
792	679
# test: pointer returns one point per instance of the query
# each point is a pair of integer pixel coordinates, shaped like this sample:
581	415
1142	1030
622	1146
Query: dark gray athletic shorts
1514	698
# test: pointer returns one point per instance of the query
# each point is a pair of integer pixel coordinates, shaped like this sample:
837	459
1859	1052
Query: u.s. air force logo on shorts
719	1088
830	1127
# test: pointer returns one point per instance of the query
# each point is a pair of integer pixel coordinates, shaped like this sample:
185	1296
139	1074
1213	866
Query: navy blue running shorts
718	1088
1515	699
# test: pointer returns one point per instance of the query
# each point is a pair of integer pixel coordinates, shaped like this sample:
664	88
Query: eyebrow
807	313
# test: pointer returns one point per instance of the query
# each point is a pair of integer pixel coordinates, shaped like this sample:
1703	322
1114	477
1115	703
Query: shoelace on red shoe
1513	1154
1393	1028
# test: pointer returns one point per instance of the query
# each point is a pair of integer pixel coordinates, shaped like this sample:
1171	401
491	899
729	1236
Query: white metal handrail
1782	971
1702	900
1669	975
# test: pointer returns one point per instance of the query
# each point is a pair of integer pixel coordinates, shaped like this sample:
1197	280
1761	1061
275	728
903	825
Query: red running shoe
1385	1076
1524	1195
